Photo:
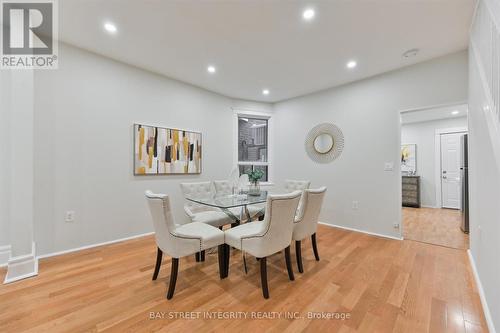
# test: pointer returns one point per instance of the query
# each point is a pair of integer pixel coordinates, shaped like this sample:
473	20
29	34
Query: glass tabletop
230	201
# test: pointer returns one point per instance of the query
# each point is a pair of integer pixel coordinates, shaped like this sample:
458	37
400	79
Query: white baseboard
361	231
4	255
53	254
482	295
22	267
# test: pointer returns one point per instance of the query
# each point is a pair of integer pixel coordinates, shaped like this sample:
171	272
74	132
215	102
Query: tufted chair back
307	224
197	190
163	221
223	187
277	227
297	185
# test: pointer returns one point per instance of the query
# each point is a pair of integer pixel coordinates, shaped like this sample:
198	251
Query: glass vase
254	189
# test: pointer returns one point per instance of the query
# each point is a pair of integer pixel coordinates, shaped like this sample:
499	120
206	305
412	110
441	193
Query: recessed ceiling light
308	14
410	53
265	92
211	69
351	64
455	112
110	27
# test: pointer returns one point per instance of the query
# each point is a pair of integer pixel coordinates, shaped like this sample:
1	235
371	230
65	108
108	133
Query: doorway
432	145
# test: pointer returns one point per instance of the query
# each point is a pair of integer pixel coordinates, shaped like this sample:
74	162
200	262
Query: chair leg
315	246
263	277
173	277
289	264
221	252
227	255
298	254
197	256
159	256
245	263
202	256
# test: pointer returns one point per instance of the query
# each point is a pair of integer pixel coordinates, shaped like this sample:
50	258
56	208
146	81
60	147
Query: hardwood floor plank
435	226
382	285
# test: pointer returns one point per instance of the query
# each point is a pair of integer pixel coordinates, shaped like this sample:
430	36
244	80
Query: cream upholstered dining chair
201	213
306	223
223	187
264	238
180	240
297	185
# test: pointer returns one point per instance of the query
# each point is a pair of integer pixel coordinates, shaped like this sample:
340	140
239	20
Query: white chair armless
179	240
307	224
273	234
223	187
201	213
297	185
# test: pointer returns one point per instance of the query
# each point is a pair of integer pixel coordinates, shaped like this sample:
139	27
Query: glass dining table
226	202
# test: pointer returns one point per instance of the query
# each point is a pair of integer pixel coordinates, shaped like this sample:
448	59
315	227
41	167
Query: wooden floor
383	285
435	226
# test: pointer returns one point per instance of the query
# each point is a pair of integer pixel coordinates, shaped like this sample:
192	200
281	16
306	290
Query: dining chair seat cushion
206	236
256	209
253	210
236	236
213	218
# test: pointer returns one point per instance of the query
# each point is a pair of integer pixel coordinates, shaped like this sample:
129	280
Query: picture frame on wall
409	159
166	151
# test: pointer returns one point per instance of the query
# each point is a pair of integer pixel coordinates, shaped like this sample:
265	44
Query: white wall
484	198
84	140
5	84
484	167
21	176
368	113
423	134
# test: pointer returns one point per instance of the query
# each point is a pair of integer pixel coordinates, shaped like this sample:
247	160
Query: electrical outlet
389	166
70	216
396	225
355	205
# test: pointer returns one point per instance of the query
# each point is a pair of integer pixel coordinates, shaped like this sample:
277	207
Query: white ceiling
437	113
257	44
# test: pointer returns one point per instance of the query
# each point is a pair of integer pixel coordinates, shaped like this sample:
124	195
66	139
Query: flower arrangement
255	176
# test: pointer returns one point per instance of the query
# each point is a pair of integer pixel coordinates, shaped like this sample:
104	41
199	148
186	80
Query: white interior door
450	170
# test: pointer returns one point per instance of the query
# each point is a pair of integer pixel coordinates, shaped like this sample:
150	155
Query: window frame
239	113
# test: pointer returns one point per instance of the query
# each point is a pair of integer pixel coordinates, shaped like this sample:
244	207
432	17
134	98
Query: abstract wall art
409	159
164	151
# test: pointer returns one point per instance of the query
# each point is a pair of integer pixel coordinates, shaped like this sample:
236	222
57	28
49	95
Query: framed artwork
166	151
409	159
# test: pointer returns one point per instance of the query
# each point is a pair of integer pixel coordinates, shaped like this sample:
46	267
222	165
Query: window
253	145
